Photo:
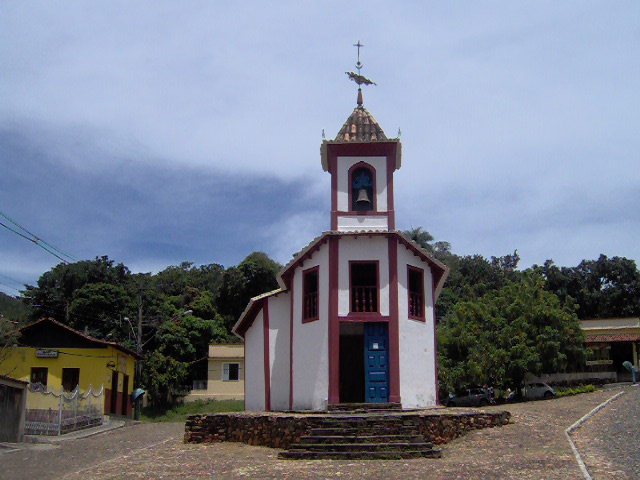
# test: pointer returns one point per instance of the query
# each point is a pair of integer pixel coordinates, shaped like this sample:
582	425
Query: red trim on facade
267	362
420	317
292	290
435	338
119	404
362	214
107	401
374	190
377	264
394	324
334	322
438	269
364	318
333	166
304	295
373	149
391	166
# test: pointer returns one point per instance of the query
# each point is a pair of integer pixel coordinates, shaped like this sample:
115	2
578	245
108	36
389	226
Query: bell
362	196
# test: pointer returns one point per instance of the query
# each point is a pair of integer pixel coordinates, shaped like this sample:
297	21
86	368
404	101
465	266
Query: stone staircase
367	431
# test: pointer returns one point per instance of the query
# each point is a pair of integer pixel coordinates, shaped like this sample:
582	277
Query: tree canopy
495	322
500	336
184	309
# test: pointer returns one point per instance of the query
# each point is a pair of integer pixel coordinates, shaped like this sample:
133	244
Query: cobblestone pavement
609	442
533	447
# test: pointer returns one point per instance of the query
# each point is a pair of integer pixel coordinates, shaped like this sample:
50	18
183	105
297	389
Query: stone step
378	455
354	420
360	447
372	430
350	407
324	439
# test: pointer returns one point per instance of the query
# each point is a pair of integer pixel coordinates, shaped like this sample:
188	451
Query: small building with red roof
61	358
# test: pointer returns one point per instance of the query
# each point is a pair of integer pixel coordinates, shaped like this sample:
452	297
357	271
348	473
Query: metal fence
51	413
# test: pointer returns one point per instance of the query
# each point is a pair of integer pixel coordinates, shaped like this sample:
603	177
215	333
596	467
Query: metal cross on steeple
357	77
359	64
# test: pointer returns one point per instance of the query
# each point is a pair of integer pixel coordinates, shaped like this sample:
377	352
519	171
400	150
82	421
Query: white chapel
354	318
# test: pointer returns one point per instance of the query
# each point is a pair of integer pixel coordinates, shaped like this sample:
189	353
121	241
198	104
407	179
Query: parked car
536	390
470	397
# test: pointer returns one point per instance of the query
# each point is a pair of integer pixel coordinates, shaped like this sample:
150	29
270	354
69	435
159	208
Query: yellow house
60	357
612	341
225	374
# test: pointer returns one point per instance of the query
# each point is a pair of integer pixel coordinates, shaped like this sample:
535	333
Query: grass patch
179	413
567	391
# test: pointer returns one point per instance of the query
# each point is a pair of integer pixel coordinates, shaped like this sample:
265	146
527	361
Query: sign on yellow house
61	358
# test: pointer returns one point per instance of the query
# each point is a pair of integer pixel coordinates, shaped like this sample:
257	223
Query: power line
36	239
9	286
14	280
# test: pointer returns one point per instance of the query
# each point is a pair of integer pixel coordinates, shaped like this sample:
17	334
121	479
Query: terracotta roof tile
361	127
612	337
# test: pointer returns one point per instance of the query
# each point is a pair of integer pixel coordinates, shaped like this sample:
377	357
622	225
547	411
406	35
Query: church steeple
361	161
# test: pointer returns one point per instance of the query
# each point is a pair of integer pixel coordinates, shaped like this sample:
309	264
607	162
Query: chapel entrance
364	362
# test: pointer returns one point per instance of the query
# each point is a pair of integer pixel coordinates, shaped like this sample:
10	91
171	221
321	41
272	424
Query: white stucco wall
279	347
363	248
379	164
254	366
362	222
311	340
417	343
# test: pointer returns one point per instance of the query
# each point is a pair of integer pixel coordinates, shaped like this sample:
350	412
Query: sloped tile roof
94	340
361	127
612	337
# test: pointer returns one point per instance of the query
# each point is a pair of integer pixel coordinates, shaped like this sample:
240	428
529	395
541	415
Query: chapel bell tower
361	161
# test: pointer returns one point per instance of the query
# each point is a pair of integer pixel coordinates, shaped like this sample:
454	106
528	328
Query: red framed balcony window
364	287
310	281
415	289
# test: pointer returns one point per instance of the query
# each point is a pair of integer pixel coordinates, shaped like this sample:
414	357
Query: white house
354	319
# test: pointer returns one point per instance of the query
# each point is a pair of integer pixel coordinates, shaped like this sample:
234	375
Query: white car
536	390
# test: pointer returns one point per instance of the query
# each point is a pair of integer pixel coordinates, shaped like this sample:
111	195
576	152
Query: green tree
53	295
13	308
255	275
8	339
500	336
606	287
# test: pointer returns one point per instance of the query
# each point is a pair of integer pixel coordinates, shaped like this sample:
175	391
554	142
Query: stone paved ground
609	442
533	447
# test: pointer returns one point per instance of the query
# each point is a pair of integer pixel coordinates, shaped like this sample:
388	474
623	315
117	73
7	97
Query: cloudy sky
159	132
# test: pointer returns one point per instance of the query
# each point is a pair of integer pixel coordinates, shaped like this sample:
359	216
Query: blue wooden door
376	362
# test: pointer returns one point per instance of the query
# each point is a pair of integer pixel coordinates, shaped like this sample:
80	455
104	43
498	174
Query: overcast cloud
160	132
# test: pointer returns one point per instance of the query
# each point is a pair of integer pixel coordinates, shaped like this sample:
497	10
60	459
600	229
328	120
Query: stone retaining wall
282	430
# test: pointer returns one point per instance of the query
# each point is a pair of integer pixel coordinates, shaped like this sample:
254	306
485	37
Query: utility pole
136	414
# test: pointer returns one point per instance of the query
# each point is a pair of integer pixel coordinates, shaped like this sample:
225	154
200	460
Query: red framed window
363	278
310	288
415	289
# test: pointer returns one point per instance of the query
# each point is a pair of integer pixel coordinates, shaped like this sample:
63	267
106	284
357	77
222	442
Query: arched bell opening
362	189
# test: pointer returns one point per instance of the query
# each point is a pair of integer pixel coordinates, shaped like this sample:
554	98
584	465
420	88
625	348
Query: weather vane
356	77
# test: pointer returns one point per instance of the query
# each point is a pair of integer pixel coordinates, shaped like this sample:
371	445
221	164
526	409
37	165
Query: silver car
536	390
470	397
